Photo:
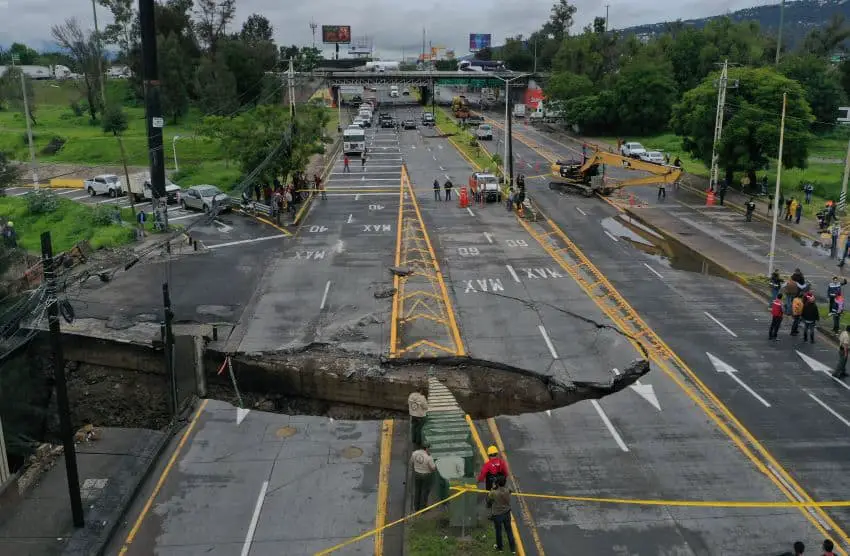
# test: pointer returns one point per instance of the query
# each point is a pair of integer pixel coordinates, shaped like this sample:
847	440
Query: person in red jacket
776	312
493	467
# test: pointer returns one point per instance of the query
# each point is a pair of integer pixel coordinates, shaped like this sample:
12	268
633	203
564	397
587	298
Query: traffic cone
709	198
464	198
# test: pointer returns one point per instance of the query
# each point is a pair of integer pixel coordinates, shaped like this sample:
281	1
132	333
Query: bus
481	65
353	140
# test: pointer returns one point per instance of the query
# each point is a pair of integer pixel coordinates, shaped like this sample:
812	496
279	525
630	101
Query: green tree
120	31
175	75
26	56
248	63
83	48
11	96
213	17
822	84
114	120
581	55
256	29
560	20
645	93
8	172
822	42
216	87
516	54
751	122
592	113
565	86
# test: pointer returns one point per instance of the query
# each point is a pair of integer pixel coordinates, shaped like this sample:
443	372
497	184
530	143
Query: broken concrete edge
107	529
10	493
721	269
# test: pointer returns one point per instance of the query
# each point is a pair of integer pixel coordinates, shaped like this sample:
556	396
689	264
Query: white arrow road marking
489	237
222	227
720	324
725	368
617	438
240	415
652	270
819	367
645	391
581	211
607	233
826	407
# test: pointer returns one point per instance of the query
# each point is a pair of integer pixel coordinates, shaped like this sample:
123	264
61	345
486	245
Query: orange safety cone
709	198
464	198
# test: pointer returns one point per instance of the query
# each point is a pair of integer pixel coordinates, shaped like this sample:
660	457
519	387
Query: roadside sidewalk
111	468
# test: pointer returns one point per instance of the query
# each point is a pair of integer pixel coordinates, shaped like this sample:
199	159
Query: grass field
429	536
466	142
70	223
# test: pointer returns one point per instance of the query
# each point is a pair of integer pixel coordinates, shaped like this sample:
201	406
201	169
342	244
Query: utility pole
153	109
508	163
33	165
778	182
779	34
842	199
168	343
718	124
59	378
606	16
535	54
291	90
100	58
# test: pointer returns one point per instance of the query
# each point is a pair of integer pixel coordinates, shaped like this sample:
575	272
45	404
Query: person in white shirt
423	472
418	407
843	350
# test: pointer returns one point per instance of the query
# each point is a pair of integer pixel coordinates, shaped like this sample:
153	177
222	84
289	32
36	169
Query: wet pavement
780	392
268	484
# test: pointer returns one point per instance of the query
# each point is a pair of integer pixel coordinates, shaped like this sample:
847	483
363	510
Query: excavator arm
579	174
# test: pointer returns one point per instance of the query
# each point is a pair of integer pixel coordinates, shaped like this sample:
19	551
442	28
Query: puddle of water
617	228
351	452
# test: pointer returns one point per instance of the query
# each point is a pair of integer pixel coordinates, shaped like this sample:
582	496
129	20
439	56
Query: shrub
102	215
77	108
54	146
42	202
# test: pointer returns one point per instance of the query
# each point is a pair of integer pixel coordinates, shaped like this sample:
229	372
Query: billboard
336	34
477	41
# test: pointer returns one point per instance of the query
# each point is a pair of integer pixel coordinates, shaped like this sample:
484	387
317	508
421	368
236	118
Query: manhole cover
286	432
351	452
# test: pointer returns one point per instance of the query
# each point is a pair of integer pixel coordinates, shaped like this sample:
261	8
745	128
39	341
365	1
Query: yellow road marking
269	222
483	453
397	300
526	513
660	352
383	484
138	524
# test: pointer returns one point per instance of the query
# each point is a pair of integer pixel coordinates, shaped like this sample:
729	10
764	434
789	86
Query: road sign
158	122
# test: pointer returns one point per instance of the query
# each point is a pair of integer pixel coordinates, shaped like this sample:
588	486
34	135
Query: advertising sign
336	34
477	41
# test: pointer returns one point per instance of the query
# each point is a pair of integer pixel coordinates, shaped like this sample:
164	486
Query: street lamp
174	149
507	163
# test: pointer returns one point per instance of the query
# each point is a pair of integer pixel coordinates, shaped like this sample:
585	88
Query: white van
394	91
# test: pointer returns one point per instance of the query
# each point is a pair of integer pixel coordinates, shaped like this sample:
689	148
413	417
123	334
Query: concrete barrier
66	183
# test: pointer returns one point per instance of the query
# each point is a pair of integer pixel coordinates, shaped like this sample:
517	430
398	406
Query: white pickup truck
632	150
104	184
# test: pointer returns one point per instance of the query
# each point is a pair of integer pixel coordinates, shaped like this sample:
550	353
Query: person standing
417	405
843	351
436	190
320	185
363	160
799	549
423	472
257	191
791	290
833	291
775	283
448	187
492	468
846	250
776	317
345	164
662	191
796	314
833	244
722	191
792	208
751	208
809	188
828	548
500	513
798	212
769	203
811	316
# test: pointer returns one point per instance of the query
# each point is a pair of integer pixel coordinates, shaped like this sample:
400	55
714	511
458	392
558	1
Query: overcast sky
394	25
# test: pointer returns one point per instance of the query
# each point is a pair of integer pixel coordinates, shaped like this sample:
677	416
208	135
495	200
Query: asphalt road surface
781	392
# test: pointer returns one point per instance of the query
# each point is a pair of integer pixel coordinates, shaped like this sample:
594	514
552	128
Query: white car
484	132
394	91
656	157
632	150
105	184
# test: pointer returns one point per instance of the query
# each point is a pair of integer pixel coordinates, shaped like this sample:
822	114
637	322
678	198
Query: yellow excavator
585	176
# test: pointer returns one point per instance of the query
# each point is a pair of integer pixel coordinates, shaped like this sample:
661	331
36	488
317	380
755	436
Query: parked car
205	197
105	184
656	157
632	150
409	124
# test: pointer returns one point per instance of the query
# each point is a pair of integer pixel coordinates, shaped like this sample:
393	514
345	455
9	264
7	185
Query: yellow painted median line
383	484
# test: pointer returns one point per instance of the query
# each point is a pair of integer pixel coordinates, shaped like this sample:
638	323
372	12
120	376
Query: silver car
204	197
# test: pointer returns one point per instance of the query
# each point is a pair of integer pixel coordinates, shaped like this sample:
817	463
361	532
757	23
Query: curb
302	212
729	273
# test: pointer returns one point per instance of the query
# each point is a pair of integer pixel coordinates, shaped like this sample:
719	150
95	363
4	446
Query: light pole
174	149
778	187
507	167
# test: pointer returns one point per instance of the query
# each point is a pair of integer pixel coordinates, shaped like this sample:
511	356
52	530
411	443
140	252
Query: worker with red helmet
493	467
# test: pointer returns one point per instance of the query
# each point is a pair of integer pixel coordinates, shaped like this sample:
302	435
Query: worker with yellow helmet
494	467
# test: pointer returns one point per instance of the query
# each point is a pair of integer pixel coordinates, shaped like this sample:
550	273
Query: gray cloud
395	27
